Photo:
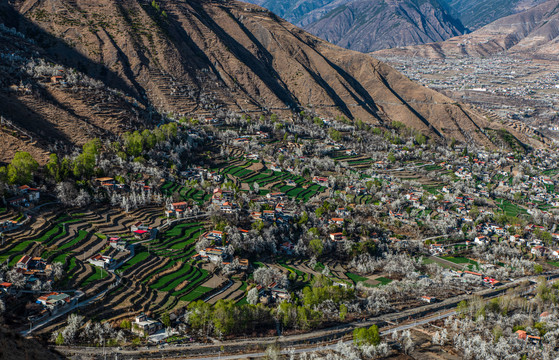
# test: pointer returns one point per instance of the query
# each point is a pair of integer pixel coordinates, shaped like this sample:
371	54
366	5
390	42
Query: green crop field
461	260
139	257
18	249
98	275
509	208
355	278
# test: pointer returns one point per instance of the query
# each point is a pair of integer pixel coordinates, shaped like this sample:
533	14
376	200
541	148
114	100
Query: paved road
314	338
326	347
44	322
410	167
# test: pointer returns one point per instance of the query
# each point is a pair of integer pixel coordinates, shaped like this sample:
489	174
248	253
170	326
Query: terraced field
164	269
72	237
269	180
354	160
186	193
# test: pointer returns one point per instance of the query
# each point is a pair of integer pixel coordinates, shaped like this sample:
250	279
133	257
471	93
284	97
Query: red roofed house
177	209
23	263
7	288
320	180
337	221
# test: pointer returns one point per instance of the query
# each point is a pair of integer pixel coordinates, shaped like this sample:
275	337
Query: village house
177	209
429	299
144	324
104	181
337	221
481	240
54	301
276	195
323	181
8	225
118	243
436	249
32	194
343	213
337	236
275	167
33	265
279	293
539	250
269	215
101	261
215	254
229	207
7	288
220	197
244	264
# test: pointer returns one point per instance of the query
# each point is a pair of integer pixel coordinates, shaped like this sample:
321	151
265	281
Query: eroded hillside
196	58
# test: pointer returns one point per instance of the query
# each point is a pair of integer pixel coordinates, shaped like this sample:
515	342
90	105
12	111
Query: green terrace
509	208
355	160
186	193
61	258
174	248
304	189
52	235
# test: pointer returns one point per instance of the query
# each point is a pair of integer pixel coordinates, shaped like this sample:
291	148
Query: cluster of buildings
512	87
24	196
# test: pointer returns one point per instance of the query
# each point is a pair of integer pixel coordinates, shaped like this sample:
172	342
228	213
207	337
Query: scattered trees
366	336
20	170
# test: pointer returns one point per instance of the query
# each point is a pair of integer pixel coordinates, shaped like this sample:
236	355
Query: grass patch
196	293
139	257
383	281
511	209
355	278
461	260
99	274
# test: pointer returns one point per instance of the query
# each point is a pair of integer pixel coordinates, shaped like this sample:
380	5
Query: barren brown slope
39	115
532	33
242	58
201	58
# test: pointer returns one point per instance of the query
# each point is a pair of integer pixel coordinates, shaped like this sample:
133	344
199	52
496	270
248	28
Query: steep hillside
46	104
295	11
532	33
477	13
196	58
15	347
369	25
365	25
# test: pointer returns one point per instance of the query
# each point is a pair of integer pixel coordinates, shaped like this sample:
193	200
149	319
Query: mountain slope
295	11
477	13
533	33
197	58
365	25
